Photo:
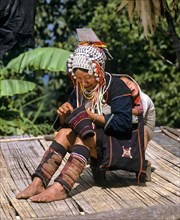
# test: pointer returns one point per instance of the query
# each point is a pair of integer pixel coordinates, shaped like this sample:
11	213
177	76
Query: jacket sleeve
120	119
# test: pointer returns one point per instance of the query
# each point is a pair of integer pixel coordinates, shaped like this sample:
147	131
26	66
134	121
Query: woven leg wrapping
80	122
50	162
74	167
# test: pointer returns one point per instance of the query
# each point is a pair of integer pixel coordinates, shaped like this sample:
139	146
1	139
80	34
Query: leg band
50	162
80	122
74	167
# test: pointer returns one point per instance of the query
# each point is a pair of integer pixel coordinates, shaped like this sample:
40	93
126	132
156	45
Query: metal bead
71	56
90	72
93	66
96	75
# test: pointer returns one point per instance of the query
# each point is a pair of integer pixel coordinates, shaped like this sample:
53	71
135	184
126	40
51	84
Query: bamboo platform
121	199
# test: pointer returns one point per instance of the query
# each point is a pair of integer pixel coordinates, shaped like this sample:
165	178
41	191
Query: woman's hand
65	109
96	119
91	114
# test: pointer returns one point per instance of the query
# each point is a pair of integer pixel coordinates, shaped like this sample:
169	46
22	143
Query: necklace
88	94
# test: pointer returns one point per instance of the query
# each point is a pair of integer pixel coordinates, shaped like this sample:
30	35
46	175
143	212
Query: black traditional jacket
119	98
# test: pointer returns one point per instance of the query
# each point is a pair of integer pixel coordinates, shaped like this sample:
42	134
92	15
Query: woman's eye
88	77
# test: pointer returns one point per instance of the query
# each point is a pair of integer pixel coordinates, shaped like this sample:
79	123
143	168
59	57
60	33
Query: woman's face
88	81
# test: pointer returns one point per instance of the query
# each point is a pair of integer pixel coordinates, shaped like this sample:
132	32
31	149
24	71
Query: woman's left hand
91	114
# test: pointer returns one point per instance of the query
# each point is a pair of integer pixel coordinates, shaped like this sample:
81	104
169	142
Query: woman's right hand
65	109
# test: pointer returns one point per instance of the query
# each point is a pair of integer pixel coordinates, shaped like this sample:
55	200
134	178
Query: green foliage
165	93
47	58
10	87
23	114
19	126
56	21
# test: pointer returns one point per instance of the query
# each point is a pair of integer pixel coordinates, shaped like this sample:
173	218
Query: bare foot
34	188
52	193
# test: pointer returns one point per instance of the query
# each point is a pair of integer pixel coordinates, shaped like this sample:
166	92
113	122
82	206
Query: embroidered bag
126	154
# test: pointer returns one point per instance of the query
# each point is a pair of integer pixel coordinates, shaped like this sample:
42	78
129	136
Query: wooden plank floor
122	199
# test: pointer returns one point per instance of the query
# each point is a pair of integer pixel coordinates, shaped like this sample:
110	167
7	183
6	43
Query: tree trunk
176	41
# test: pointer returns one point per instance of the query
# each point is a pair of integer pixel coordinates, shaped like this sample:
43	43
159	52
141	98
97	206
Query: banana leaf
47	58
10	87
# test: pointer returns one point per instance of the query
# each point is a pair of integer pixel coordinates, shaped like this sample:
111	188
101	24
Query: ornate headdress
90	55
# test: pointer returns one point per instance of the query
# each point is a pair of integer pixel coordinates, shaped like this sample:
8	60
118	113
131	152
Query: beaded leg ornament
74	167
50	162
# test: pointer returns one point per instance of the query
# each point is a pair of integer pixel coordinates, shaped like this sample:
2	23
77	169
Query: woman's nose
79	80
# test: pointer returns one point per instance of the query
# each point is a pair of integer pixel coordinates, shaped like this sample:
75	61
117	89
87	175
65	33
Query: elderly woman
99	106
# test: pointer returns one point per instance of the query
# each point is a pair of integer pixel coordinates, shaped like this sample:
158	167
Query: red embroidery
126	152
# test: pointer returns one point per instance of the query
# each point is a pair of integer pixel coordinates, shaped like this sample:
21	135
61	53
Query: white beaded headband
87	57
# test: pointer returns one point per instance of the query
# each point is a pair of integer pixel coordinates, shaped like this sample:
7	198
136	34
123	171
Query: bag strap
141	150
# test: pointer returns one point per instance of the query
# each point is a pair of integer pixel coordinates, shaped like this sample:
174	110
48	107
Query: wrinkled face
132	85
88	81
